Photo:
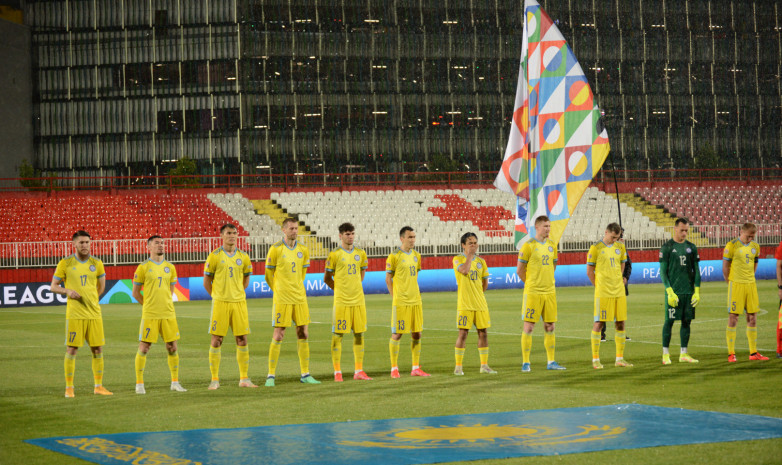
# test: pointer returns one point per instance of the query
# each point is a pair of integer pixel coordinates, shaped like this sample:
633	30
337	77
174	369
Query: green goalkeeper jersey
679	267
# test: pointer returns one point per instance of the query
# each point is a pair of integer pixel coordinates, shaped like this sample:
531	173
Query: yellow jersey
81	277
156	280
469	295
404	267
742	258
541	259
607	261
228	272
346	267
290	267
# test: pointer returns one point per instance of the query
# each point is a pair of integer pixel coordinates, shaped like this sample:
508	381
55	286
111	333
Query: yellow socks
393	350
484	354
415	349
173	366
70	369
303	347
550	342
336	352
97	369
595	340
458	355
274	356
621	340
752	337
358	351
243	359
141	362
214	362
730	335
526	346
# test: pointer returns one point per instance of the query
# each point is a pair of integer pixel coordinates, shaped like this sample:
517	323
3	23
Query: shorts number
400	324
147	335
733	306
277	320
530	313
342	325
72	336
671	313
603	312
214	325
462	320
83	279
352	268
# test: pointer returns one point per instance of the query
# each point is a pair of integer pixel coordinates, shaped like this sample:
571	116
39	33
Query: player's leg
240	324
400	324
463	325
416	328
140	364
96	340
282	316
620	310
74	338
549	316
530	313
779	332
734	310
218	328
338	329
600	316
358	322
173	361
301	318
753	305
482	324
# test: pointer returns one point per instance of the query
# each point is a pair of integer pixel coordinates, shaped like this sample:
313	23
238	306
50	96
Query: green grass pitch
32	403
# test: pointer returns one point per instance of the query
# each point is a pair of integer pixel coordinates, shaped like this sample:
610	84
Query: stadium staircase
660	215
278	214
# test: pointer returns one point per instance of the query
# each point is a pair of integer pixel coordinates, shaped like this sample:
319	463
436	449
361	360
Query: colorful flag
557	141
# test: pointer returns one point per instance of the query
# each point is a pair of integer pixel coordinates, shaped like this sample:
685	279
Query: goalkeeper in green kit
681	276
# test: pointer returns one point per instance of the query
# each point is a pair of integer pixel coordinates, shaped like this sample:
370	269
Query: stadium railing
195	250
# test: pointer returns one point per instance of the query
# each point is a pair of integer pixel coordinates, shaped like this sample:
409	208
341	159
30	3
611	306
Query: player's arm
363	272
328	278
390	283
268	274
464	268
485	283
246	281
137	292
101	285
725	269
58	288
521	271
591	273
208	283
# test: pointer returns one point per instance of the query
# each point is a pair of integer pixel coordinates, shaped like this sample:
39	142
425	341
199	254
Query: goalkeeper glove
696	298
673	299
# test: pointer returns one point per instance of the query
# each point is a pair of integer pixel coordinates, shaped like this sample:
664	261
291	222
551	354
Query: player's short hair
681	220
404	230
80	233
346	227
541	219
152	238
227	226
749	227
288	220
467	236
614	228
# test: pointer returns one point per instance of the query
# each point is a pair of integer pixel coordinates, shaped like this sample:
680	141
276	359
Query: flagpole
616	187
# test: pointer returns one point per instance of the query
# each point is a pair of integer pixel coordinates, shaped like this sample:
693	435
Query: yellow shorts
537	306
229	314
407	319
742	296
149	329
347	318
466	318
285	314
77	330
611	308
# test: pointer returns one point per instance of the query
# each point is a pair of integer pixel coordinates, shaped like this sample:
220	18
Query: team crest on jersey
356	257
167	270
617	251
238	261
478	265
689	250
550	249
752	251
299	254
92	267
415	259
